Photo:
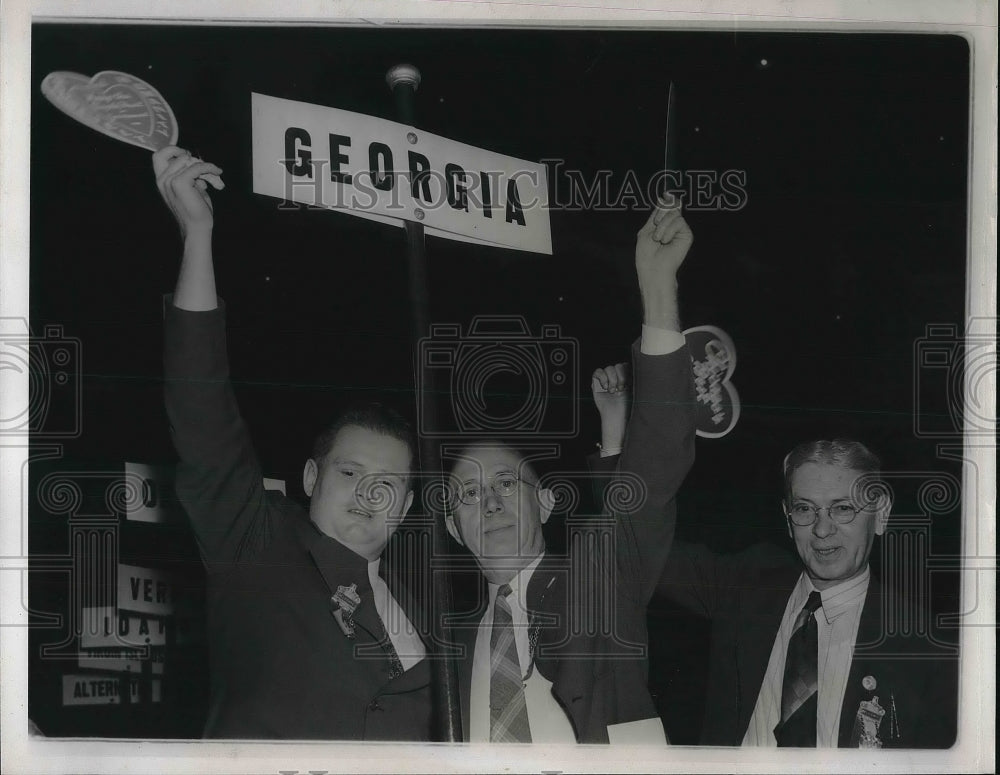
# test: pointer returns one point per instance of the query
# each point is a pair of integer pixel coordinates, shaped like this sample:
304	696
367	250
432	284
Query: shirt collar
373	567
520	581
836	599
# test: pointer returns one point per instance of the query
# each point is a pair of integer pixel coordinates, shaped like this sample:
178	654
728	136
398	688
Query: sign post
403	81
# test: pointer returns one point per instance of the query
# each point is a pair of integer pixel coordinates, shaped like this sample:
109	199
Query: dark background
852	241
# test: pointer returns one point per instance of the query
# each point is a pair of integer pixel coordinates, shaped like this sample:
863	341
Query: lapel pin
868	720
342	606
869	682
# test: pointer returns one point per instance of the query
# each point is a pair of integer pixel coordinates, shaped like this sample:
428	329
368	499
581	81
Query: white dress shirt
401	631
837	627
546	718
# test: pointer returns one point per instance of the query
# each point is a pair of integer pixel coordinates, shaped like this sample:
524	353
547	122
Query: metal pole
403	81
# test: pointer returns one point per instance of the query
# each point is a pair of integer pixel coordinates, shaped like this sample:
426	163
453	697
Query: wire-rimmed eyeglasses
805	514
504	485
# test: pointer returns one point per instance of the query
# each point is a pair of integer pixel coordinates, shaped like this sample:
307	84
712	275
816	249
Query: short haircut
523	460
371	416
842	452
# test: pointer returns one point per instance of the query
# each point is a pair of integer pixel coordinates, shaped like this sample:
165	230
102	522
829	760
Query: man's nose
824	525
492	503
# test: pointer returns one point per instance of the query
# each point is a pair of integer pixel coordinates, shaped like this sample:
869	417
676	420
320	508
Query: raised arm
183	182
218	479
658	448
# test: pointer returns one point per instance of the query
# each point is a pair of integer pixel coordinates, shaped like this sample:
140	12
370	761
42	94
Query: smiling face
831	552
504	533
359	490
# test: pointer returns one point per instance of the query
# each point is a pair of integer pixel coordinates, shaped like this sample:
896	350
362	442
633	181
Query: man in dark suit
558	651
806	653
298	601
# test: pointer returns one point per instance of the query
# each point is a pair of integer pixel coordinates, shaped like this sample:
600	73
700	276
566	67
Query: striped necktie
508	711
799	695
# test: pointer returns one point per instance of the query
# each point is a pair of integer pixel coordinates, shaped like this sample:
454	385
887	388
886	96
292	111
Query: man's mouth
826	552
497	528
360	513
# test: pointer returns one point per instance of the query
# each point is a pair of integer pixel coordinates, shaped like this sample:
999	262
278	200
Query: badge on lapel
342	606
869	718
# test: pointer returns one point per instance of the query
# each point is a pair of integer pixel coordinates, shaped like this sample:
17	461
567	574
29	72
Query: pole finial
403	74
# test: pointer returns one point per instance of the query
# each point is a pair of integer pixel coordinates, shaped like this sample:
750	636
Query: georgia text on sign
392	173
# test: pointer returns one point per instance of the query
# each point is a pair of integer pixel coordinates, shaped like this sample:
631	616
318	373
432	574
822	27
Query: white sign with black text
106	627
145	590
390	172
82	689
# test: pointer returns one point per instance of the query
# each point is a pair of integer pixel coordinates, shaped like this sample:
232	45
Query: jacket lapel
464	633
762	607
466	638
870	631
340	567
547	615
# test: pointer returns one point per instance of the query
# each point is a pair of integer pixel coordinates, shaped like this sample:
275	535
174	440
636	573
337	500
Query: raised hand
183	182
611	389
660	248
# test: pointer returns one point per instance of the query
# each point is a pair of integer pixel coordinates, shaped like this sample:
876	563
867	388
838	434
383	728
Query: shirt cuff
660	341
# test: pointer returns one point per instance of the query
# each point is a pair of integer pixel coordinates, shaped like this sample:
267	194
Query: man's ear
309	475
407	502
882	513
449	522
788	522
547	502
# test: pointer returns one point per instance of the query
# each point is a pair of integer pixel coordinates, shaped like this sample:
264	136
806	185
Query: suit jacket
745	596
599	673
281	666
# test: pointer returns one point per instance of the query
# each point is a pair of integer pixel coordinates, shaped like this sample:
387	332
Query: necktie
799	695
508	712
395	665
380	592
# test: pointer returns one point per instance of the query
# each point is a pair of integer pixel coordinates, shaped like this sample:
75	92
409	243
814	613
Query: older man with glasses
557	650
814	653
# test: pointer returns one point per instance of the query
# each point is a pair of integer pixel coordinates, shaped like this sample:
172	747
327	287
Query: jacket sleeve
219	482
693	575
658	453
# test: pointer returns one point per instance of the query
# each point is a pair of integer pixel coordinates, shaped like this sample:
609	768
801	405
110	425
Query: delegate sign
390	172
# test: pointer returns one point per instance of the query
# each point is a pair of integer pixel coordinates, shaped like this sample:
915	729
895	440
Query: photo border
976	21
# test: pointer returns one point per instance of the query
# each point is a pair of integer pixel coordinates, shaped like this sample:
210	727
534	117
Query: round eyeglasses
503	485
805	515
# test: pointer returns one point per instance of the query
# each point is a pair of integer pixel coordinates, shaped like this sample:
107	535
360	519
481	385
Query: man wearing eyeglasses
801	653
557	654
